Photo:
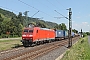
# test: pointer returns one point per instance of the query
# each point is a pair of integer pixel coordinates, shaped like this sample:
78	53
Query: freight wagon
65	34
73	34
61	34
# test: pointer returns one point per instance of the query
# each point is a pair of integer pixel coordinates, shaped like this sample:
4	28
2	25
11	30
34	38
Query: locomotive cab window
26	30
37	31
31	31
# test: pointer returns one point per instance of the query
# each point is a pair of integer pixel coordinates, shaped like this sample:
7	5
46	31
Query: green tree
41	24
20	18
19	30
75	31
63	26
56	27
17	25
60	27
88	33
1	20
32	23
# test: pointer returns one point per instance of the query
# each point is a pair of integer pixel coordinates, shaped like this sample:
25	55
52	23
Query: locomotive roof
45	29
37	27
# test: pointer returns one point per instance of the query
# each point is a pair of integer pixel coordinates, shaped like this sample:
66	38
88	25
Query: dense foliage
61	26
88	33
85	33
11	25
75	31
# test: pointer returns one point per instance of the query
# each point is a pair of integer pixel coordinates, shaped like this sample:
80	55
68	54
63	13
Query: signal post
70	28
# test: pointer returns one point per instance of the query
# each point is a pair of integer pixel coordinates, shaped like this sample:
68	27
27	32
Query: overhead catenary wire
61	14
34	8
34	14
28	5
43	4
53	5
48	6
60	3
56	11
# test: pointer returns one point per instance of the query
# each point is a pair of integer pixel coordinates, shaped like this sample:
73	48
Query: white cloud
78	26
83	25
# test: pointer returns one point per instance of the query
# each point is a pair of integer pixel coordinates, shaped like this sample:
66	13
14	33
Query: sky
80	11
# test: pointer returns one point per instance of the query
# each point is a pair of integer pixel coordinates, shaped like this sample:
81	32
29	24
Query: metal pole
81	33
70	28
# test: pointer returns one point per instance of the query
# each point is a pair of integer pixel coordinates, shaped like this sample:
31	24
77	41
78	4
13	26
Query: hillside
11	25
9	14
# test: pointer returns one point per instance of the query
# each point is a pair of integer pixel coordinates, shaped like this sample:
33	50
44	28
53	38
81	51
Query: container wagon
73	34
59	34
65	34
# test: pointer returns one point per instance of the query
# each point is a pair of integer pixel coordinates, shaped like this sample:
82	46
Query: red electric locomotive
36	35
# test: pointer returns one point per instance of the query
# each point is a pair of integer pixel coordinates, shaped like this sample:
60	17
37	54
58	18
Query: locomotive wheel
38	43
49	41
25	45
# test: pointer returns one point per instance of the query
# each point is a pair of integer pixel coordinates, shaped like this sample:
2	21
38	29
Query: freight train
37	35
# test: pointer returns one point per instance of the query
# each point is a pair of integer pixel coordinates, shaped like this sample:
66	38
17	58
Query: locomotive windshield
31	31
26	30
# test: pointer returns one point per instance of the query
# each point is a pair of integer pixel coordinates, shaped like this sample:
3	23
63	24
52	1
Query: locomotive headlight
23	35
30	35
23	38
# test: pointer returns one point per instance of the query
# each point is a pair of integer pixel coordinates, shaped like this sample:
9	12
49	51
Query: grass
79	51
9	44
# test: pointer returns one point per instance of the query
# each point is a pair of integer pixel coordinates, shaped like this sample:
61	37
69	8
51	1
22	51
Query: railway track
32	52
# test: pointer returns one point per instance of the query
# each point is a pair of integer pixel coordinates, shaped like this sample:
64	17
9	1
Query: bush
84	35
0	37
4	36
7	36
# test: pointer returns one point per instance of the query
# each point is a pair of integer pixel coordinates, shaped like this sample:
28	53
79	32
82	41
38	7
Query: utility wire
44	4
35	14
34	8
61	14
28	5
56	11
59	3
40	10
53	5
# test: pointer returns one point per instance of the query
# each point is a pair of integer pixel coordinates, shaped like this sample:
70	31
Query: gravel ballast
55	54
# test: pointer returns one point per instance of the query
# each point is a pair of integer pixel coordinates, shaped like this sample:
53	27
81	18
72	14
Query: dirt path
89	39
10	38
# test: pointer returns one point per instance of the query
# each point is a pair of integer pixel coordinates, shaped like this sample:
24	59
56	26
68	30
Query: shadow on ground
17	46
